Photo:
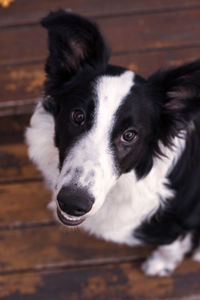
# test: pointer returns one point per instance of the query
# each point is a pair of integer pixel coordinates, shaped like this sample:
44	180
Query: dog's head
108	120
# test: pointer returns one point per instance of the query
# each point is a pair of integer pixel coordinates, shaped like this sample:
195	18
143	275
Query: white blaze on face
90	163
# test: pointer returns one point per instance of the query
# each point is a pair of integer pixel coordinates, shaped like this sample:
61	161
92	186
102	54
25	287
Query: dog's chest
126	206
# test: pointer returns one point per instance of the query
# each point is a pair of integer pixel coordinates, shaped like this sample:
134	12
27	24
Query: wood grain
38	258
12	128
124	34
51	247
24	203
25	82
15	164
116	282
22	85
22	11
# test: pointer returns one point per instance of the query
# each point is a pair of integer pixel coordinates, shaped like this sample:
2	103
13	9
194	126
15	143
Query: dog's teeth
70	217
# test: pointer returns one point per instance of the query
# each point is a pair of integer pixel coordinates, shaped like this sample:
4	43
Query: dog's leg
166	258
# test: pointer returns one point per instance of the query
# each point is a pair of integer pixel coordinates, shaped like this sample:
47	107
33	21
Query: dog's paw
158	265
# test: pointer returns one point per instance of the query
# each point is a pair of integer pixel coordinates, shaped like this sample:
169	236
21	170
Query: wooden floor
38	258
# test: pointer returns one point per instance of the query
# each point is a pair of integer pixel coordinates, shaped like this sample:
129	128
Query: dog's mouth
69	220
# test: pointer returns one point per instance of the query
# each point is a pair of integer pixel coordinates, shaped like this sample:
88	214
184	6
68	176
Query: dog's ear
179	92
74	43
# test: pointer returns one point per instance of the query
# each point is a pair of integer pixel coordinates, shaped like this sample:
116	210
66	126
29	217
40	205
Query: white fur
121	204
196	255
42	151
91	155
166	258
130	201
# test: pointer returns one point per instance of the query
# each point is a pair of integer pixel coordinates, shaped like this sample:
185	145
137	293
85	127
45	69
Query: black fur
75	46
182	214
158	108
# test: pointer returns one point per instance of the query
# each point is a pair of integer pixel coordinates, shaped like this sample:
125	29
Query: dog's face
108	121
103	129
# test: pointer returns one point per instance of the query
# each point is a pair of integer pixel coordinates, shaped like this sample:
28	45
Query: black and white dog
121	153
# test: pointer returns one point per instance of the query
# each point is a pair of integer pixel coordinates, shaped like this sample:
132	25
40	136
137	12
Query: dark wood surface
40	259
176	29
30	12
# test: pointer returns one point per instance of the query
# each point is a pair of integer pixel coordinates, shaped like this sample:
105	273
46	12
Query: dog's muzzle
73	204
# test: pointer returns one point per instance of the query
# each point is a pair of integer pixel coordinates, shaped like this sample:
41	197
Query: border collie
121	153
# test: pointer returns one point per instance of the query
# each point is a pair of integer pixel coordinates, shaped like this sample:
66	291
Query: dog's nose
75	202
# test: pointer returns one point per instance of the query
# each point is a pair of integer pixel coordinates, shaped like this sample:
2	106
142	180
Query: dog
121	153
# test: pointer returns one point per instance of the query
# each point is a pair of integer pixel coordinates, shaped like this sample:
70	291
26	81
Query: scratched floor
39	259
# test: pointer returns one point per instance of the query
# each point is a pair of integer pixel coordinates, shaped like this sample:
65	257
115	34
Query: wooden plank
117	282
21	83
24	82
51	247
145	63
24	203
12	128
15	164
23	209
134	33
23	11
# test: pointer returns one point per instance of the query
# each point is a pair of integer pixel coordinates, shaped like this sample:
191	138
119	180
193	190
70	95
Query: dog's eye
78	116
128	136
